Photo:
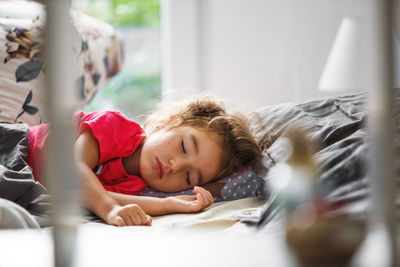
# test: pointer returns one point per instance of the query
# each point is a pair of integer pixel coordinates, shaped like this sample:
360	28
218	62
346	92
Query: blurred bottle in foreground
316	233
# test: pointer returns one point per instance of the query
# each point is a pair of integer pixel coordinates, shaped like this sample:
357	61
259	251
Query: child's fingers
119	221
145	219
137	215
198	202
210	197
133	214
201	199
149	220
142	218
197	189
136	219
207	197
128	220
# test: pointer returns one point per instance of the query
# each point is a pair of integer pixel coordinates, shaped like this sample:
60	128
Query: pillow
242	184
96	51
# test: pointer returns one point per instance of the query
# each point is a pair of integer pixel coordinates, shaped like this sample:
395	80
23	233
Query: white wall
258	52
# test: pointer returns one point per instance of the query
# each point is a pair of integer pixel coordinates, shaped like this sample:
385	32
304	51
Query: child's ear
214	188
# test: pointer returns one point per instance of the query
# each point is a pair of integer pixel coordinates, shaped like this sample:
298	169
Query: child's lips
159	168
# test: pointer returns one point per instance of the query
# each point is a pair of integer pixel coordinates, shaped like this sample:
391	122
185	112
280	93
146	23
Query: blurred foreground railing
62	98
381	122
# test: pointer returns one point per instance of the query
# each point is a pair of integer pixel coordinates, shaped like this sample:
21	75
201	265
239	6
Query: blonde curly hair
205	113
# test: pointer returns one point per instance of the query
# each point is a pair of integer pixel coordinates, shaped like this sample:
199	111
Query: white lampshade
344	69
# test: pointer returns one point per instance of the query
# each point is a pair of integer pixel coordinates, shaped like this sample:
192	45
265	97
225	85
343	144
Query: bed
241	224
235	231
338	124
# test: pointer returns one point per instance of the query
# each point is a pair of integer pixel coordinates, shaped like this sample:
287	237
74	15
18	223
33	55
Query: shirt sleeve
117	135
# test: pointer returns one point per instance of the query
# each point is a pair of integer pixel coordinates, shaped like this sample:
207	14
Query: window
137	88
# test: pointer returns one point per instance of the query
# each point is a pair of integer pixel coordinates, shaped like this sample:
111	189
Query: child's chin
153	184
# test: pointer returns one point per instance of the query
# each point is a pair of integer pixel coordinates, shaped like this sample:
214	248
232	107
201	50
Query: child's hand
188	204
130	214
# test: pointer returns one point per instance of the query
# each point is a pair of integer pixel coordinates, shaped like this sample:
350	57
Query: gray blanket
339	125
16	180
24	202
22	199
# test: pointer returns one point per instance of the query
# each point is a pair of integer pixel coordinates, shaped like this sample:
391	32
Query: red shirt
117	136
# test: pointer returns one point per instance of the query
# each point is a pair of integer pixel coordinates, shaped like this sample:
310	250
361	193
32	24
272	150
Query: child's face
178	159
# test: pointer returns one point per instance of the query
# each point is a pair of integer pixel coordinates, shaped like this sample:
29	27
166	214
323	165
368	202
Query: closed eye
183	147
188	178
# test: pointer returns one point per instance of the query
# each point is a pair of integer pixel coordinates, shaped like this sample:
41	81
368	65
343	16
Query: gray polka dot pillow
242	184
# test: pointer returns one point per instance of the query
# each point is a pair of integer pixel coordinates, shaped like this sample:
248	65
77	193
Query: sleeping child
182	146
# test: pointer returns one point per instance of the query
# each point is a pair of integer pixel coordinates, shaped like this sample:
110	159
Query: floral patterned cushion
97	57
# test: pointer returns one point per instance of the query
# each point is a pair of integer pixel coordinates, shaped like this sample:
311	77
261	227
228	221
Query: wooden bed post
381	121
61	105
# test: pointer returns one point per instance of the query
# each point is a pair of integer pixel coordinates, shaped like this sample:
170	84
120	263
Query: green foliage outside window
138	12
122	13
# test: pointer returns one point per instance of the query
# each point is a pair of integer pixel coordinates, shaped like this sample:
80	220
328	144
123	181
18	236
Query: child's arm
96	198
160	206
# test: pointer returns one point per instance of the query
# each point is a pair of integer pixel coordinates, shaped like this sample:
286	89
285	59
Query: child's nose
178	164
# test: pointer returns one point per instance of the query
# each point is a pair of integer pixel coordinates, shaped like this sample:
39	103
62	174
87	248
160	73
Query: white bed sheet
219	216
213	237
